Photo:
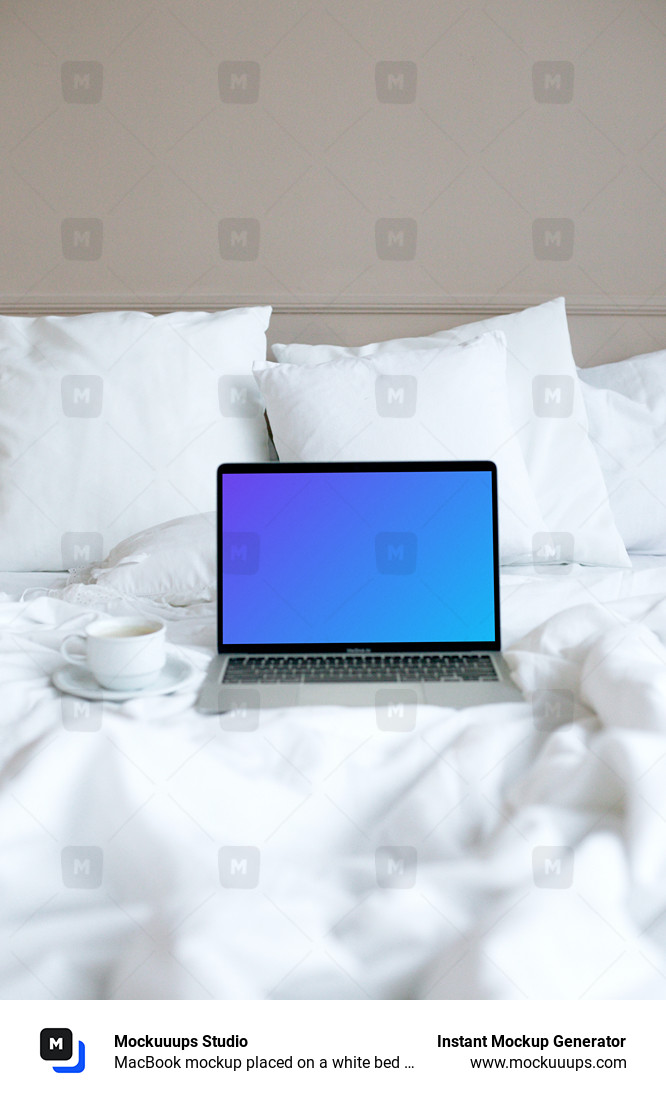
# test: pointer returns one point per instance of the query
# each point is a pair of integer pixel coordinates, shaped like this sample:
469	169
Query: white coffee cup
123	654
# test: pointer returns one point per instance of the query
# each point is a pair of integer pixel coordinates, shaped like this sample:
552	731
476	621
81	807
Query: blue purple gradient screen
357	557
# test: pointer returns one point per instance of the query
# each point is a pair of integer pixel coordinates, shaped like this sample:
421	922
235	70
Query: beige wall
338	155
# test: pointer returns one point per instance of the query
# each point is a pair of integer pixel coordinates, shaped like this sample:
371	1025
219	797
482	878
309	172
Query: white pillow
112	422
549	415
441	404
626	405
174	562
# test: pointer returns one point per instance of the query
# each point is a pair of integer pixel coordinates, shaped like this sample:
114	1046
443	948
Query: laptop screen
377	555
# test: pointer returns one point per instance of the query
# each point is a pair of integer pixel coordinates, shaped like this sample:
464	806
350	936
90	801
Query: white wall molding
472	306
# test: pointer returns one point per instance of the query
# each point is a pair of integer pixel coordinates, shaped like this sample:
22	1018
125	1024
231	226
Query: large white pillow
112	422
549	416
439	404
626	406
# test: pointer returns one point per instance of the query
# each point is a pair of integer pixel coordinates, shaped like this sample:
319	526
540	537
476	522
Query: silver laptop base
216	698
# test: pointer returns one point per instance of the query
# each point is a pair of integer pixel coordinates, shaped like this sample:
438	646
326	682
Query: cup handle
73	658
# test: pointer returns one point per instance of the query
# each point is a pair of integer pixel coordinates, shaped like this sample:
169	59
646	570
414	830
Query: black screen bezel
277	468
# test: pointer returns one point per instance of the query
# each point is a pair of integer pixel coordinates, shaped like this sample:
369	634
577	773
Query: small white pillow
174	562
626	406
548	413
442	404
112	422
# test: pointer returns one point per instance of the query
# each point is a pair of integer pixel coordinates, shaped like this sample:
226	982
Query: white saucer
78	680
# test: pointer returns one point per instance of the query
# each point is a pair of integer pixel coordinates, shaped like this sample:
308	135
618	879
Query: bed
504	852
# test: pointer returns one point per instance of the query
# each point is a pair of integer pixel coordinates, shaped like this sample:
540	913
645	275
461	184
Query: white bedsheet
16	584
488	809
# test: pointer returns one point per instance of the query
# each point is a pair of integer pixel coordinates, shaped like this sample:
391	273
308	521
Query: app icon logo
56	1045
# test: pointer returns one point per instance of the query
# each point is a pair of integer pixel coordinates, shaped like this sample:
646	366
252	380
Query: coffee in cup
123	654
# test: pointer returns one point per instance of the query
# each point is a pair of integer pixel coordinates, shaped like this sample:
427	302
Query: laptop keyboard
355	668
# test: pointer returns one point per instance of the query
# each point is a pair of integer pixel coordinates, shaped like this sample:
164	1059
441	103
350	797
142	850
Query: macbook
357	584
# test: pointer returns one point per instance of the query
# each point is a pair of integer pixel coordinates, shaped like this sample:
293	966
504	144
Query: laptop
357	584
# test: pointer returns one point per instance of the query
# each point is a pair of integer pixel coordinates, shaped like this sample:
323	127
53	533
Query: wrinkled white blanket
499	852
